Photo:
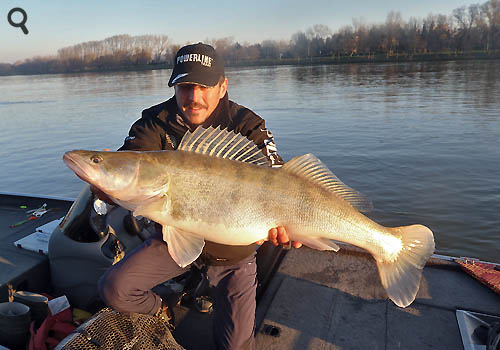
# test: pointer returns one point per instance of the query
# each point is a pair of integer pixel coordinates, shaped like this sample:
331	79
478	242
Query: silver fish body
203	191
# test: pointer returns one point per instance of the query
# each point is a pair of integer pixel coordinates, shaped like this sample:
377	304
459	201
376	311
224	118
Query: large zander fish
219	186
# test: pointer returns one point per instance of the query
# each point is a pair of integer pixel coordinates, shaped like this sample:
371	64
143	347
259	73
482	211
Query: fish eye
96	159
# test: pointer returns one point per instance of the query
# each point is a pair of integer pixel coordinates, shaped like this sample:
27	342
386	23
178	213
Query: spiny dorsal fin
312	169
221	143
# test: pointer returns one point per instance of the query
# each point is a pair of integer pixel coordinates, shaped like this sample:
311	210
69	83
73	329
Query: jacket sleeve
252	126
144	135
148	133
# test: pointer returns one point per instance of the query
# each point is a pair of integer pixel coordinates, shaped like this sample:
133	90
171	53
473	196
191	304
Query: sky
53	24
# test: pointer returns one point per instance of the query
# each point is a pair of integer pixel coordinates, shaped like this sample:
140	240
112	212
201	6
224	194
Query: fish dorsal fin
312	169
221	143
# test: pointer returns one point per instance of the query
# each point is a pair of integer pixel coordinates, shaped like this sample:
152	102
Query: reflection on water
420	139
475	82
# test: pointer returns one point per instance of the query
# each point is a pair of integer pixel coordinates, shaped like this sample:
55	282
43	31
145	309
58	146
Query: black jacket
161	128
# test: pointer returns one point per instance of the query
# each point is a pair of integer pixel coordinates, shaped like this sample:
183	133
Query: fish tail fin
401	274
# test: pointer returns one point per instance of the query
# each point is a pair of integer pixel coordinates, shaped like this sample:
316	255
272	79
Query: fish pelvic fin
221	143
401	274
309	167
184	247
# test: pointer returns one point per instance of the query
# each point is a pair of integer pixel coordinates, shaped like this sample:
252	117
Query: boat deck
20	267
316	300
324	300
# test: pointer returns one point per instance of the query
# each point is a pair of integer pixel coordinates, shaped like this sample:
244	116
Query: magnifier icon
18	24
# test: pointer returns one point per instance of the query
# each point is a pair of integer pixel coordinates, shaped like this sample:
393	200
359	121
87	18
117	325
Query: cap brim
193	78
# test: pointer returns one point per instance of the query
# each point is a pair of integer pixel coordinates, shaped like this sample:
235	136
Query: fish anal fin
311	168
184	247
221	143
311	239
319	243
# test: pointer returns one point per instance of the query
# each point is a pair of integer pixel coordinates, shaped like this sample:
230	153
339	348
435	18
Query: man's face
197	102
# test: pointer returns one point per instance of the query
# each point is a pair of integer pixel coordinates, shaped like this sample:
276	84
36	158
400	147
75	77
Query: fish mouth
71	161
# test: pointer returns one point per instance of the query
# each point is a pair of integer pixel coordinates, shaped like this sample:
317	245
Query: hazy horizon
57	24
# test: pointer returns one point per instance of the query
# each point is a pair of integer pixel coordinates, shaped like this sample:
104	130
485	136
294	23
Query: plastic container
37	303
15	319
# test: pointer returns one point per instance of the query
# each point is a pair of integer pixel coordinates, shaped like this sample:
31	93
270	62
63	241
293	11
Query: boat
307	299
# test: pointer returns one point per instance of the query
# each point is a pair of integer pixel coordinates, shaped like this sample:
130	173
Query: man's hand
279	236
101	195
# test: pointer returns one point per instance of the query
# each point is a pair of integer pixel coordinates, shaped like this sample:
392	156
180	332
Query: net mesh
110	329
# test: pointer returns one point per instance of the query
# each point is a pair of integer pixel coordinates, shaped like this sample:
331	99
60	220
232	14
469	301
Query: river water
421	140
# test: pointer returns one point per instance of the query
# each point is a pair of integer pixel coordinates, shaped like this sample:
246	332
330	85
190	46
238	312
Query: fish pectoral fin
154	209
319	243
184	247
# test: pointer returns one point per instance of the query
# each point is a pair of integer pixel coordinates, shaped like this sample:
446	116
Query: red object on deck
487	274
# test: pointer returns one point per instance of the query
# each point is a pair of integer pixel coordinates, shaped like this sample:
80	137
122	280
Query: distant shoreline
401	58
305	61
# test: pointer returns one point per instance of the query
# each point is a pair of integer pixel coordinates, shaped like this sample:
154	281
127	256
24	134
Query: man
200	99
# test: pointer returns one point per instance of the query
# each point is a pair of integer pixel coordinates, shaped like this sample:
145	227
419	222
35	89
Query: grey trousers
126	287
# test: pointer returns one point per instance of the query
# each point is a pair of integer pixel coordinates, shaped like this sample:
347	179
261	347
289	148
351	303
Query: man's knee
112	289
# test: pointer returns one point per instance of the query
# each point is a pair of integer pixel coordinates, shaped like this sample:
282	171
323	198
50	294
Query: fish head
115	173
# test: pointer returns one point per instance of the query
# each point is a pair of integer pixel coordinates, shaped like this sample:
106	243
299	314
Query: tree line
473	29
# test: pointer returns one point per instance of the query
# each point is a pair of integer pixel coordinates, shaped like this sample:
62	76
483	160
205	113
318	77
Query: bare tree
270	49
299	45
394	24
467	28
491	16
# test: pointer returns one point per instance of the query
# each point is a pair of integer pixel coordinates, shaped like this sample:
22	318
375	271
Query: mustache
193	104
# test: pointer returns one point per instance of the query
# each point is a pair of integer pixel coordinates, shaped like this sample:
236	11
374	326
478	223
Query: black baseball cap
197	64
